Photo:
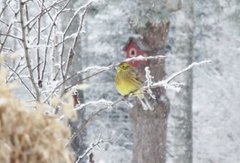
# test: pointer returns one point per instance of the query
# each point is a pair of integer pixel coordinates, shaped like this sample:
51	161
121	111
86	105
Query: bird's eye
124	67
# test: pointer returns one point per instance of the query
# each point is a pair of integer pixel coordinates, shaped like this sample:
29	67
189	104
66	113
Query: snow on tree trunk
150	126
180	118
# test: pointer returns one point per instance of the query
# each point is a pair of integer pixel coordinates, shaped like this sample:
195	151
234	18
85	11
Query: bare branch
7	49
26	14
38	50
64	35
66	38
9	35
100	70
106	105
5	23
42	6
15	69
71	52
26	50
49	36
3	9
25	85
12	9
46	10
21	70
5	38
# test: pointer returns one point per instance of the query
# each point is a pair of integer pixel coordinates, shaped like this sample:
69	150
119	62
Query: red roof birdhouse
136	47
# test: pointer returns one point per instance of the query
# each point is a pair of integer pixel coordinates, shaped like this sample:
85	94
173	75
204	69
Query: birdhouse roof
140	43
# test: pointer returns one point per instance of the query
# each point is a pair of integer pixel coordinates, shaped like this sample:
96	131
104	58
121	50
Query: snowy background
216	95
216	86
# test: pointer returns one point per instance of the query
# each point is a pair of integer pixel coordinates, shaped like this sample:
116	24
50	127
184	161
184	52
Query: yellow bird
127	82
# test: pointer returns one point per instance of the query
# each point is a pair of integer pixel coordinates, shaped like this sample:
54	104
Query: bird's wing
133	75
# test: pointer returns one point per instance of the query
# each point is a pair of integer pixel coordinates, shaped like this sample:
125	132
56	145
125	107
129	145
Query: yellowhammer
127	82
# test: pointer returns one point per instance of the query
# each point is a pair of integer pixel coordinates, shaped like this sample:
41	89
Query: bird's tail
145	103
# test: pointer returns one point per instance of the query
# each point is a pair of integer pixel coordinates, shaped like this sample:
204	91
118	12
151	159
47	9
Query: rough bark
150	126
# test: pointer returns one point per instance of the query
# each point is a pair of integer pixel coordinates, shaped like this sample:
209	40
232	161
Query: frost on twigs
149	81
142	58
168	82
99	104
95	69
43	47
90	148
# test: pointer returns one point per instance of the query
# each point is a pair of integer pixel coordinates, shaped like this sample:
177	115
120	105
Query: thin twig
63	38
26	51
71	52
93	115
90	148
38	50
24	67
3	9
15	69
174	75
42	6
22	81
5	38
46	10
103	69
81	80
49	36
9	35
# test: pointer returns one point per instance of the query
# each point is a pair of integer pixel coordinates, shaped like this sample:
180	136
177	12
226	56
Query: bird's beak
116	66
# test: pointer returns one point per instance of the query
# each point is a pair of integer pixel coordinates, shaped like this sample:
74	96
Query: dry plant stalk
29	136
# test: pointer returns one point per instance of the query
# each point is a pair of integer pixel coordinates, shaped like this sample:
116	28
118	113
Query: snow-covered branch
90	148
96	69
52	27
32	33
142	58
166	82
100	104
71	52
149	80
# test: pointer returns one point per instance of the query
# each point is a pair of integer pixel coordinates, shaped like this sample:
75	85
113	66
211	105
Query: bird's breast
124	86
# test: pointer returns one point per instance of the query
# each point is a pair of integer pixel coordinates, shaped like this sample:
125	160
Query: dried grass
29	136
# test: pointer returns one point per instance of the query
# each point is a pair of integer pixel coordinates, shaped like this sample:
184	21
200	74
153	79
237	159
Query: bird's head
123	66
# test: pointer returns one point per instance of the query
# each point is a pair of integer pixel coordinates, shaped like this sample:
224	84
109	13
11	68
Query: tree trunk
180	117
150	126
